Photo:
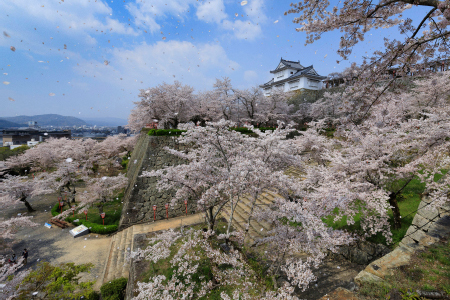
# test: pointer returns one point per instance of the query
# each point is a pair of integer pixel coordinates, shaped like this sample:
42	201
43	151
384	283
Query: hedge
114	290
165	132
93	227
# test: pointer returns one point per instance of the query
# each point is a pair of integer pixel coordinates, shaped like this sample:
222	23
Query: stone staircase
256	229
122	243
117	266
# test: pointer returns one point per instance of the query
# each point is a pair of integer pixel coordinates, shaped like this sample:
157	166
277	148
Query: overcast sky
89	58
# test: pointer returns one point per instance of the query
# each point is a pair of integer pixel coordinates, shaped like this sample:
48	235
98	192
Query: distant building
121	129
32	124
291	76
21	136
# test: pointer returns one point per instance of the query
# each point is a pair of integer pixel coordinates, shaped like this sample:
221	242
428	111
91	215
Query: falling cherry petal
12	48
11	99
106	62
6	34
325	55
51	94
163	37
244	3
236	14
5	82
275	22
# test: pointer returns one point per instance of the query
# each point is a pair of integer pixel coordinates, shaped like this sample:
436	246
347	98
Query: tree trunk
27	204
211	219
395	210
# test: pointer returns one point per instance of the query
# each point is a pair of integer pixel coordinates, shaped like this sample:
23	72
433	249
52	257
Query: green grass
428	270
408	205
112	210
411	197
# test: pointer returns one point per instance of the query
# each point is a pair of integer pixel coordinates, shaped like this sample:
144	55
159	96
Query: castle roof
306	72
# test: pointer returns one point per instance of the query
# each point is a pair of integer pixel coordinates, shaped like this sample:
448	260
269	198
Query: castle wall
142	192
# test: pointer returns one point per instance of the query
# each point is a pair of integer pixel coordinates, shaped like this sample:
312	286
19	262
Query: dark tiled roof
288	64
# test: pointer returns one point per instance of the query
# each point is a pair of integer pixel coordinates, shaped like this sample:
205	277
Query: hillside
8	124
47	120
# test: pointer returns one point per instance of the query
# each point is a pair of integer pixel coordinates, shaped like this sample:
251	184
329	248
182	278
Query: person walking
25	256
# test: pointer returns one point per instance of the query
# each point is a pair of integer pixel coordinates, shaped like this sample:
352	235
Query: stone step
120	255
240	223
256	224
127	249
114	257
108	262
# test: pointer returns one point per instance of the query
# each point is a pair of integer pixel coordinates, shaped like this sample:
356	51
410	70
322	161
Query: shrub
114	290
165	132
93	296
93	227
56	210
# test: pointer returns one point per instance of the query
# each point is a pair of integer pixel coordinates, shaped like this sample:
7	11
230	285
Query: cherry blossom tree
45	155
103	189
14	189
167	103
225	165
275	107
224	95
194	252
250	102
63	179
425	45
205	107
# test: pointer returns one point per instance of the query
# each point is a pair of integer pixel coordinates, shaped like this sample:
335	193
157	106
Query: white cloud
250	27
196	65
146	13
254	10
243	29
72	16
211	11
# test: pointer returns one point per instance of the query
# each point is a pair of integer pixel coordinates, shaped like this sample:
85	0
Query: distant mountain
106	121
47	120
8	124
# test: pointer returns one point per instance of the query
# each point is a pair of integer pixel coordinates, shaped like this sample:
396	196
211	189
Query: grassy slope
428	270
408	207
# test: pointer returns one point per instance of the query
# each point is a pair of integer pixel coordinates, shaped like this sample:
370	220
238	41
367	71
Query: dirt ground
56	245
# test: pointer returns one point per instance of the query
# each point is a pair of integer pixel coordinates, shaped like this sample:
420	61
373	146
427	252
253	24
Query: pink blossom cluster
172	104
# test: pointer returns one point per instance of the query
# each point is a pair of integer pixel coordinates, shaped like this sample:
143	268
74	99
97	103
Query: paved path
56	245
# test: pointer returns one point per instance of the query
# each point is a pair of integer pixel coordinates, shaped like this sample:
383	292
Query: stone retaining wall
142	193
429	226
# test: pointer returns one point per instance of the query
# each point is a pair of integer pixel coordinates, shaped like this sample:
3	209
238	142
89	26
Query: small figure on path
25	256
13	259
